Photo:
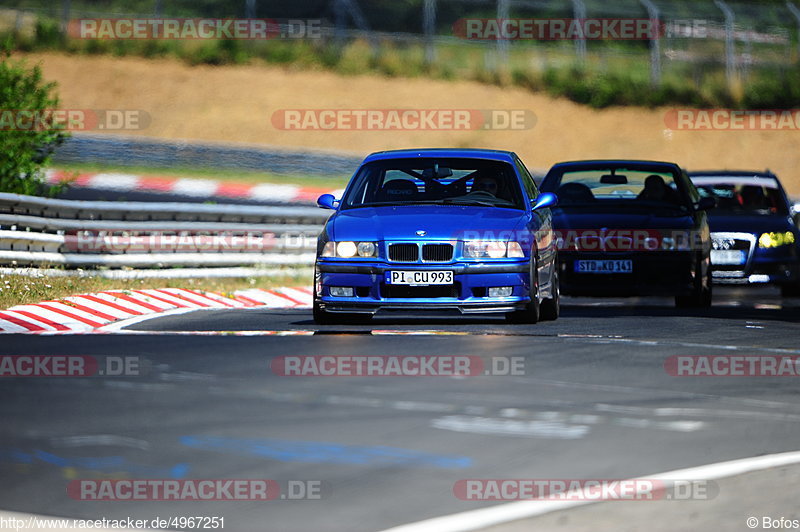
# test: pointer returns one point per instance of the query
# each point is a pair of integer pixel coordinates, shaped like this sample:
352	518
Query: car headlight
774	240
366	249
347	249
491	249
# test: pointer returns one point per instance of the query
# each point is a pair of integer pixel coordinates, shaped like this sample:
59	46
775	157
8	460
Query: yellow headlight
773	240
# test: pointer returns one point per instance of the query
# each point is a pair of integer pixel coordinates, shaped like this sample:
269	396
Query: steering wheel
484	193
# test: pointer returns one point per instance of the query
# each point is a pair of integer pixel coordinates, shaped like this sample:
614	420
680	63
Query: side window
527	180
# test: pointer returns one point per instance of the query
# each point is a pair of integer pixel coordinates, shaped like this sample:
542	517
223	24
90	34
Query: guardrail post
730	44
502	44
429	27
579	14
65	10
796	12
340	21
250	9
655	43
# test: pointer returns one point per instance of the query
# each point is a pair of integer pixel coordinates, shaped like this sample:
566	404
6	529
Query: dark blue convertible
631	228
755	238
438	230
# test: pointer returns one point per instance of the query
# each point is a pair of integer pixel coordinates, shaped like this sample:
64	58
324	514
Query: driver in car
655	189
485	183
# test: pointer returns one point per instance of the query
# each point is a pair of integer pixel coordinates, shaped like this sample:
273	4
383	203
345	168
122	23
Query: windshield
611	185
748	197
442	181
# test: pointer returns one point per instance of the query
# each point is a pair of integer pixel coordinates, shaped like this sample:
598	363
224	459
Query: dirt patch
236	104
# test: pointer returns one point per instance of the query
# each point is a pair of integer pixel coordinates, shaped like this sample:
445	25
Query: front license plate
603	266
728	256
420	278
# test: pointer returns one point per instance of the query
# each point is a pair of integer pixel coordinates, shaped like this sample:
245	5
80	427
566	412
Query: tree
29	128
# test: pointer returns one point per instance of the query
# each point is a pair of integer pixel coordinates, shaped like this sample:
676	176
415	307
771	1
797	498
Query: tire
551	308
322	317
701	298
530	314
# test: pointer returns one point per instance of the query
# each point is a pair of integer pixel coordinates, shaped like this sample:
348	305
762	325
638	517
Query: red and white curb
89	312
192	187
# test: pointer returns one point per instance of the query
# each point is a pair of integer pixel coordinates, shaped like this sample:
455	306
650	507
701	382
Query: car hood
440	222
721	223
589	218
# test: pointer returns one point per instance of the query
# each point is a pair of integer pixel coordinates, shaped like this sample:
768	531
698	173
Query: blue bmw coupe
456	230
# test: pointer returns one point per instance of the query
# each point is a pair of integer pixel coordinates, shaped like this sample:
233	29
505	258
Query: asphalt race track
595	401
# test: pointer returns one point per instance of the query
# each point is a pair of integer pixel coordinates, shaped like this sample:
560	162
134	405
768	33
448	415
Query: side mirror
548	199
706	204
327	201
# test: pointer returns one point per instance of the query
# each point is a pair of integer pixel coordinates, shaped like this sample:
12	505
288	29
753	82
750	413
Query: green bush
49	35
356	58
778	91
24	152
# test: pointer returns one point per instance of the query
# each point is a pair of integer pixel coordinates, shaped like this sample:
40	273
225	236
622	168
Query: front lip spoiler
469	308
457	269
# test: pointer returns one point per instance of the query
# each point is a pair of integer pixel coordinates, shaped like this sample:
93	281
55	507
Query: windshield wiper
398	203
469	202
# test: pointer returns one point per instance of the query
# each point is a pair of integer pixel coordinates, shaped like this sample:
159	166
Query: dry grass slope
235	104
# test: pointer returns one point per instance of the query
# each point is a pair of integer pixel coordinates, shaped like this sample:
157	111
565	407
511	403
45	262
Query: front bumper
779	265
655	273
467	295
765	266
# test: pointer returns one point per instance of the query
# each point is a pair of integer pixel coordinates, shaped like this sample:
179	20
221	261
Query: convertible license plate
419	278
728	256
603	266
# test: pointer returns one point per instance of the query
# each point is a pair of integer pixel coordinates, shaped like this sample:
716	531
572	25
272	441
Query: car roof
614	162
736	173
735	177
467	153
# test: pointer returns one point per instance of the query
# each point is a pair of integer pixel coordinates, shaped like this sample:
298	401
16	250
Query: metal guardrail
104	234
91	234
